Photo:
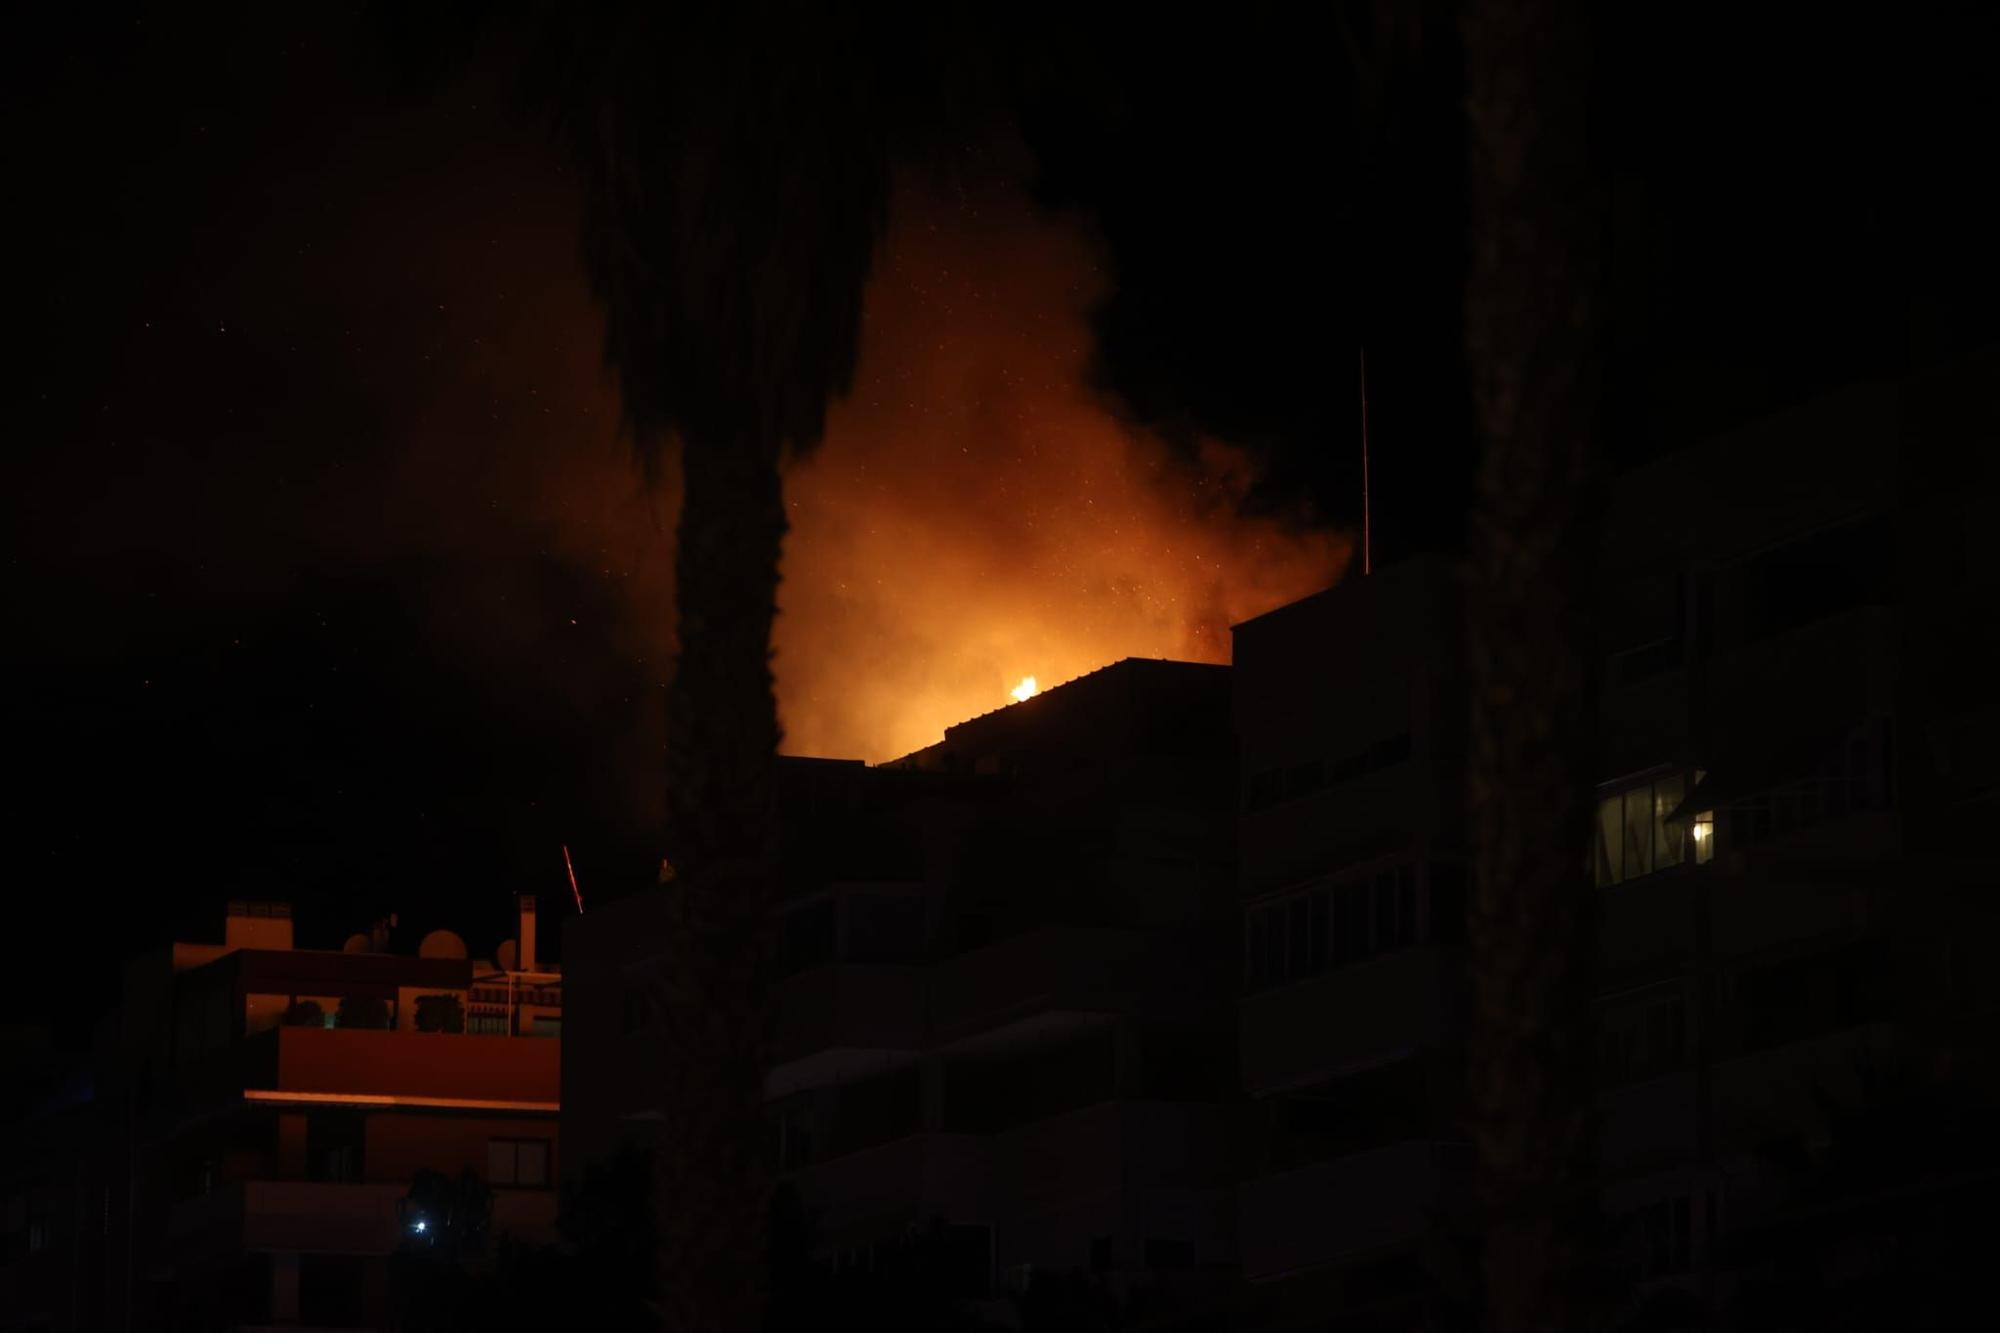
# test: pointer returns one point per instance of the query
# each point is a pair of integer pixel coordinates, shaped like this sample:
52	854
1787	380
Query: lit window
1635	836
1702	829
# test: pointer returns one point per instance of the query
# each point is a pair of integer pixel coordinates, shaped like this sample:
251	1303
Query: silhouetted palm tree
737	161
1532	342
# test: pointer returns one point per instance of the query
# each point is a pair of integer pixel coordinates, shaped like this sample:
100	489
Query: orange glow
383	1101
1026	690
978	505
979	510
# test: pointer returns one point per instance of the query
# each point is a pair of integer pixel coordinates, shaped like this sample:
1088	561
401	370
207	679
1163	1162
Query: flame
1026	690
977	500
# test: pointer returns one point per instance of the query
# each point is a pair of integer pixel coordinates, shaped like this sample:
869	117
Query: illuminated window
1636	836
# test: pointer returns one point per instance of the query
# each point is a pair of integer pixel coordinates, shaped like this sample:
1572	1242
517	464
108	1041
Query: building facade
1799	635
255	1116
1003	1016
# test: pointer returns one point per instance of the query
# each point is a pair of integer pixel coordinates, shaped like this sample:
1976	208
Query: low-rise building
257	1112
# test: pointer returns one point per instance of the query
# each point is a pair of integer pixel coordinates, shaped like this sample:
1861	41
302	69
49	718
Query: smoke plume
979	513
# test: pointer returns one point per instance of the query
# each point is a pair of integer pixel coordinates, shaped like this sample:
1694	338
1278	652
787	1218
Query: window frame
1361	913
513	1147
1665	788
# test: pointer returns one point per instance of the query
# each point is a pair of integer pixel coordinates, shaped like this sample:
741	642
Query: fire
978	500
1026	690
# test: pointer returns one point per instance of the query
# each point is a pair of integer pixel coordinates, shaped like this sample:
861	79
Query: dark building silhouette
1036	991
1794	846
1008	966
1351	717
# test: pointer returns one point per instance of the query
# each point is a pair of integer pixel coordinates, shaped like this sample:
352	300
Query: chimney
526	959
257	926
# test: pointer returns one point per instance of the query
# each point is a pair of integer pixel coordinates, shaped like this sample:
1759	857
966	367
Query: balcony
1763	1093
841	1017
1074	969
1319	1214
1353	1015
362	1062
878	1190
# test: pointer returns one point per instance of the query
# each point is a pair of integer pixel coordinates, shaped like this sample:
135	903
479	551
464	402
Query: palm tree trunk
715	1173
1532	346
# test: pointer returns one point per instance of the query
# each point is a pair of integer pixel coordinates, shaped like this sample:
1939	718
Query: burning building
1159	976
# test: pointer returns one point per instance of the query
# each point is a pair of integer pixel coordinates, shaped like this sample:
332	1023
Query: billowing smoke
978	513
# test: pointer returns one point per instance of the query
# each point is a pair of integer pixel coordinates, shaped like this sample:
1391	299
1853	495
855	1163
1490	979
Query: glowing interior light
1703	829
420	1226
1026	690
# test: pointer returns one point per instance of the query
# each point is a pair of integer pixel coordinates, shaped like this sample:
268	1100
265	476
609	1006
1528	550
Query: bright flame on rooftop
1026	690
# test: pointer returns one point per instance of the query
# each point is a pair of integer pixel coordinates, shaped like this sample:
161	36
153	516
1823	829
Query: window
487	1025
521	1163
545	1025
334	1141
1302	935
1635	836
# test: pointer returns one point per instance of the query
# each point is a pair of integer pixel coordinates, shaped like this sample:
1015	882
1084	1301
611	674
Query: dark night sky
305	373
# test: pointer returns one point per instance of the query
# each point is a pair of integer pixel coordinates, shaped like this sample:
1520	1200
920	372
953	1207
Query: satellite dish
441	944
505	955
355	944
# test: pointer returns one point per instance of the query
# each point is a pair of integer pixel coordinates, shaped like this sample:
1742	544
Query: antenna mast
574	890
1367	535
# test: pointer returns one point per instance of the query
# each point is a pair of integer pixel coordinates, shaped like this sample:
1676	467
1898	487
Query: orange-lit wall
419	1064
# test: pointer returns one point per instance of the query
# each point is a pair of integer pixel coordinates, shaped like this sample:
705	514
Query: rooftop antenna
574	891
1367	535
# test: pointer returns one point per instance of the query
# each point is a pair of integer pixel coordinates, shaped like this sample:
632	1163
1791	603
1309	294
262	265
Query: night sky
329	574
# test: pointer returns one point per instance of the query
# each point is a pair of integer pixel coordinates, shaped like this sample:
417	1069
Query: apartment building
239	1152
1793	844
1004	1008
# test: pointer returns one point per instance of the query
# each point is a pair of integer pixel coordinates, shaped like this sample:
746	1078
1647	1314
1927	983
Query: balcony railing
1357	1014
